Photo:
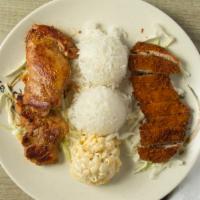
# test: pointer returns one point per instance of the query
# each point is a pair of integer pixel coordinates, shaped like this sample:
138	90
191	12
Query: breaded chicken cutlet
166	118
159	94
164	108
164	129
151	63
150	80
160	154
147	48
161	135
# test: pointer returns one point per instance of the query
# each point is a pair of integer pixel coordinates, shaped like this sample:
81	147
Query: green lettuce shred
15	75
65	147
7	102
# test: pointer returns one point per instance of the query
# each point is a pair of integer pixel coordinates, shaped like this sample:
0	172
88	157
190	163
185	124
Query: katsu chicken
48	55
163	131
158	154
159	130
147	48
151	63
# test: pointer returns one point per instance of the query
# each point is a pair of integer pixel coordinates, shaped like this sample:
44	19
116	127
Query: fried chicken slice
150	80
158	154
159	86
179	120
145	95
48	70
164	108
152	49
152	64
164	129
166	117
161	135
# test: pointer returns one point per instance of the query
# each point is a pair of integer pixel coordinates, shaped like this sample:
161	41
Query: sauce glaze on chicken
48	55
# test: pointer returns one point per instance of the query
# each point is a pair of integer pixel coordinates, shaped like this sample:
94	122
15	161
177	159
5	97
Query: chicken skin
41	142
47	67
48	55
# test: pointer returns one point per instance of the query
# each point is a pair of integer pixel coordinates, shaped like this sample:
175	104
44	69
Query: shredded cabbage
65	147
15	75
7	101
164	39
17	70
161	38
154	40
13	119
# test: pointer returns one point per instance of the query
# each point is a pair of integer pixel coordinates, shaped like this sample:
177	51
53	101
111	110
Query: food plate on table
97	102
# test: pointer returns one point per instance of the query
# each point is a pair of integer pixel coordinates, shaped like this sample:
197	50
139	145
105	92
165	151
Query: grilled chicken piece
41	142
164	108
158	154
48	70
152	49
152	64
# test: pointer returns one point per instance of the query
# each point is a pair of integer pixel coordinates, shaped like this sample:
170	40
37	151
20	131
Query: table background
186	13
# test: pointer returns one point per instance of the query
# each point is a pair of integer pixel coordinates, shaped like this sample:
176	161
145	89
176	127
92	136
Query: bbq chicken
48	55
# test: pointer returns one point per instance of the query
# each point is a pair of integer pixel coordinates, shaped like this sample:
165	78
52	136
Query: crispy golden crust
164	108
166	116
168	129
179	120
151	82
145	96
152	64
147	47
166	135
157	154
152	79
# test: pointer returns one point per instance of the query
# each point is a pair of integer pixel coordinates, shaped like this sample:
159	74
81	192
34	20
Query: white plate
54	182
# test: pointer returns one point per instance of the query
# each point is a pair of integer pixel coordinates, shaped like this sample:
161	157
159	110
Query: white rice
98	110
103	57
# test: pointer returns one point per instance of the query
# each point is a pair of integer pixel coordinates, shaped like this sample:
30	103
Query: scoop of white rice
98	110
103	57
